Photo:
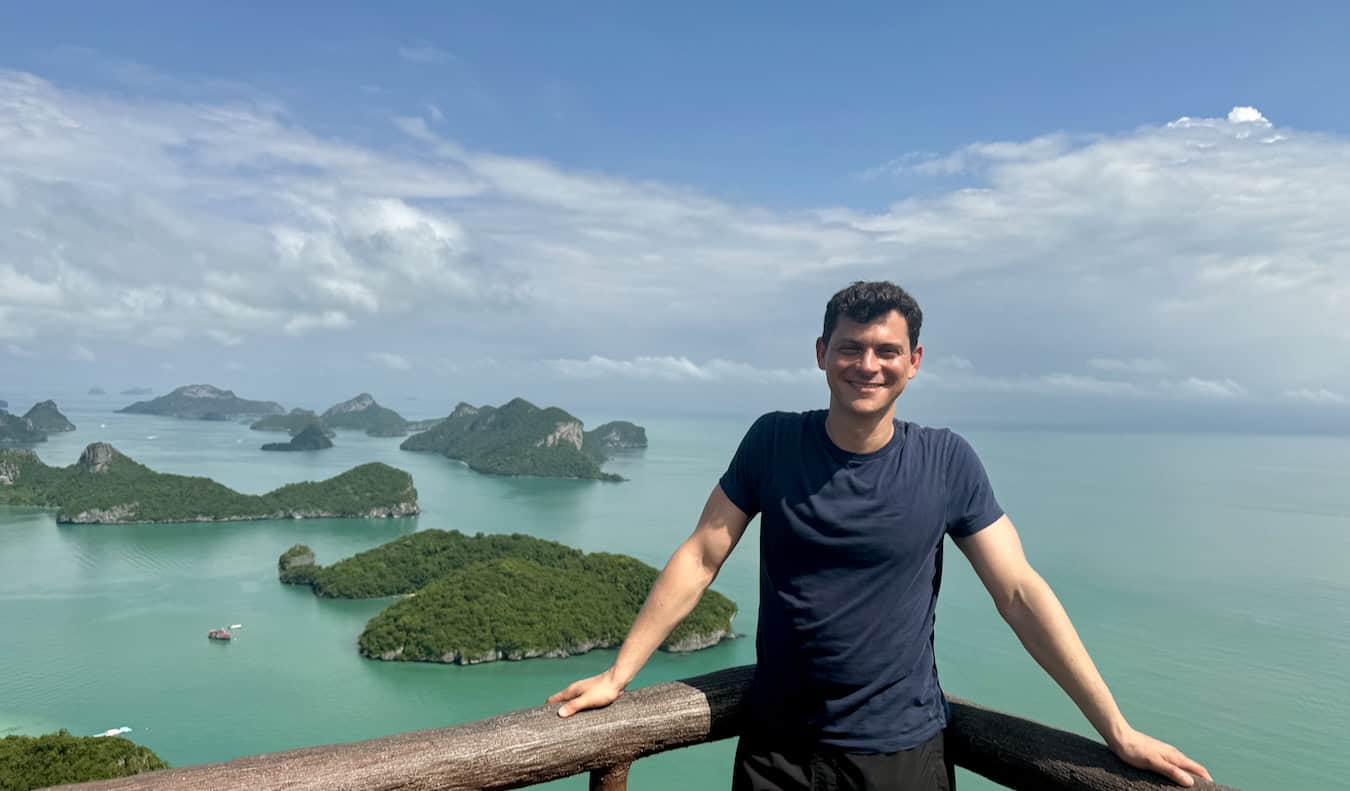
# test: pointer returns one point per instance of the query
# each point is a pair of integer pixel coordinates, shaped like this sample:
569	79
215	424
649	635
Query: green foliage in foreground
28	762
121	490
475	598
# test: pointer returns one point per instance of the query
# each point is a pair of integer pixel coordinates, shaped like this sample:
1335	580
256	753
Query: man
855	506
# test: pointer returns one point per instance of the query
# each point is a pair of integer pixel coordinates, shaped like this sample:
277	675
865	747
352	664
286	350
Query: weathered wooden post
614	778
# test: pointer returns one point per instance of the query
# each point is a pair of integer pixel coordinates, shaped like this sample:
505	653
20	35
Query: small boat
114	731
220	634
236	626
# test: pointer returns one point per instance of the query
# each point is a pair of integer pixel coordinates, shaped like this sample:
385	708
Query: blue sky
634	205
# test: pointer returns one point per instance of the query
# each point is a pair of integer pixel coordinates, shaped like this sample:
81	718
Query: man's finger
1191	765
566	693
1175	773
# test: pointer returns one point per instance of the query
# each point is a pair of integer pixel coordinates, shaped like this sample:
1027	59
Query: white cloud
1136	365
423	53
1319	395
16	350
143	219
81	353
394	362
677	369
1246	115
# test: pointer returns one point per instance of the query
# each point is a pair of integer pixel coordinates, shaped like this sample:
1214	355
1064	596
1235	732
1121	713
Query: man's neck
860	433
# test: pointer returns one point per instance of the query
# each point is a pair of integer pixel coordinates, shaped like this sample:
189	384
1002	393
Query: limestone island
203	402
519	438
59	758
311	437
15	430
106	487
4	404
137	391
46	418
292	422
488	597
616	435
362	413
97	391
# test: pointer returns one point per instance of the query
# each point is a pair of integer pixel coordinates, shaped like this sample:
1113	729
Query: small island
15	430
311	437
106	487
97	391
616	435
363	413
292	422
519	438
489	597
46	418
203	402
137	391
28	762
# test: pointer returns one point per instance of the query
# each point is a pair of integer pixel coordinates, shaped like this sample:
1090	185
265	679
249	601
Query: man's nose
869	360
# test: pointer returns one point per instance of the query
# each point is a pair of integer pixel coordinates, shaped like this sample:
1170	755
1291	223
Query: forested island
363	413
311	437
46	418
472	599
106	487
292	422
203	402
519	438
15	430
28	762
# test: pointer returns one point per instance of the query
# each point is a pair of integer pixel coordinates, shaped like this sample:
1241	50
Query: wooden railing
532	746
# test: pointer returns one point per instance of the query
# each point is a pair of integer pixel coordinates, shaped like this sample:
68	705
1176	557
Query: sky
1112	217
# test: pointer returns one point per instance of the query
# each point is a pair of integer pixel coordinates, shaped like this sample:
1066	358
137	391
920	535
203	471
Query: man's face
868	365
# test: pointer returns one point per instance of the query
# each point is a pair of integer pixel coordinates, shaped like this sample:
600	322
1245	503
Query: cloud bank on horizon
1197	260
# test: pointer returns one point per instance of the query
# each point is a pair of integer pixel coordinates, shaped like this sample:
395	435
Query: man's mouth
866	386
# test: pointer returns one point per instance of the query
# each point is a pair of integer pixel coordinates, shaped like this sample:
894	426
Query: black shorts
764	765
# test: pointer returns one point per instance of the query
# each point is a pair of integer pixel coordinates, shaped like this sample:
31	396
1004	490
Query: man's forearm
673	596
1040	622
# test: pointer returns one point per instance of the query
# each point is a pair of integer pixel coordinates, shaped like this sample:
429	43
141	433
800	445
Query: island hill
203	402
362	413
488	597
106	487
43	419
519	438
311	437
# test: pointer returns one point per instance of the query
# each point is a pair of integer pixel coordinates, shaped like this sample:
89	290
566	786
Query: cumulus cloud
394	362
81	353
1215	244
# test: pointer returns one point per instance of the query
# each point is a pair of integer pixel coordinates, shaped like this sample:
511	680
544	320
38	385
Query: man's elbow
1017	599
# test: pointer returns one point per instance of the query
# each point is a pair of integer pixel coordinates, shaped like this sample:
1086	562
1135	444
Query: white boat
236	626
114	731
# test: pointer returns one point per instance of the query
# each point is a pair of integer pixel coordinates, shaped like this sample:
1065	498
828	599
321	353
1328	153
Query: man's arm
1033	611
677	589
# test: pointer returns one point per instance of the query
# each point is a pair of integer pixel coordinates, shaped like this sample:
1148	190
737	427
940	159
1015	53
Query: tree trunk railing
530	746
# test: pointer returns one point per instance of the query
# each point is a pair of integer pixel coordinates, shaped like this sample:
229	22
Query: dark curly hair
867	301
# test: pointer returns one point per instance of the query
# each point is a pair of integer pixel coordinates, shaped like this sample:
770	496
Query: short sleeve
971	506
741	482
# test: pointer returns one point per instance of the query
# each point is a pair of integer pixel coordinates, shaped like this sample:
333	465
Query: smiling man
854	507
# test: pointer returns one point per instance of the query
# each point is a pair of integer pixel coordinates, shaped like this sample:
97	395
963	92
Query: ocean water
1206	574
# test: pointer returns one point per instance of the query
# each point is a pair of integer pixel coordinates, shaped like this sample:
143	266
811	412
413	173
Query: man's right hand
595	692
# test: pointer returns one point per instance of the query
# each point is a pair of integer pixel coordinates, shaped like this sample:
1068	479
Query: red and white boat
220	634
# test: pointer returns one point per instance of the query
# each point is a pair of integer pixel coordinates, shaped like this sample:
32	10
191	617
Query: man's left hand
1145	752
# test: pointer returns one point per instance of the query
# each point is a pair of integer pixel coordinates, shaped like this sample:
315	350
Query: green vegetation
311	437
15	430
486	597
517	438
362	413
28	762
203	402
106	487
47	418
615	435
292	422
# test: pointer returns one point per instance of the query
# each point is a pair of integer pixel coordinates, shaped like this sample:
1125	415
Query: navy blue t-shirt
850	565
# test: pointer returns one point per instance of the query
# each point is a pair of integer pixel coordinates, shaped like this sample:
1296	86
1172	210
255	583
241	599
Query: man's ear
915	359
820	353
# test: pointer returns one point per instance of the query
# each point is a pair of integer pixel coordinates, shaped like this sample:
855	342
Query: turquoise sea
1209	576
